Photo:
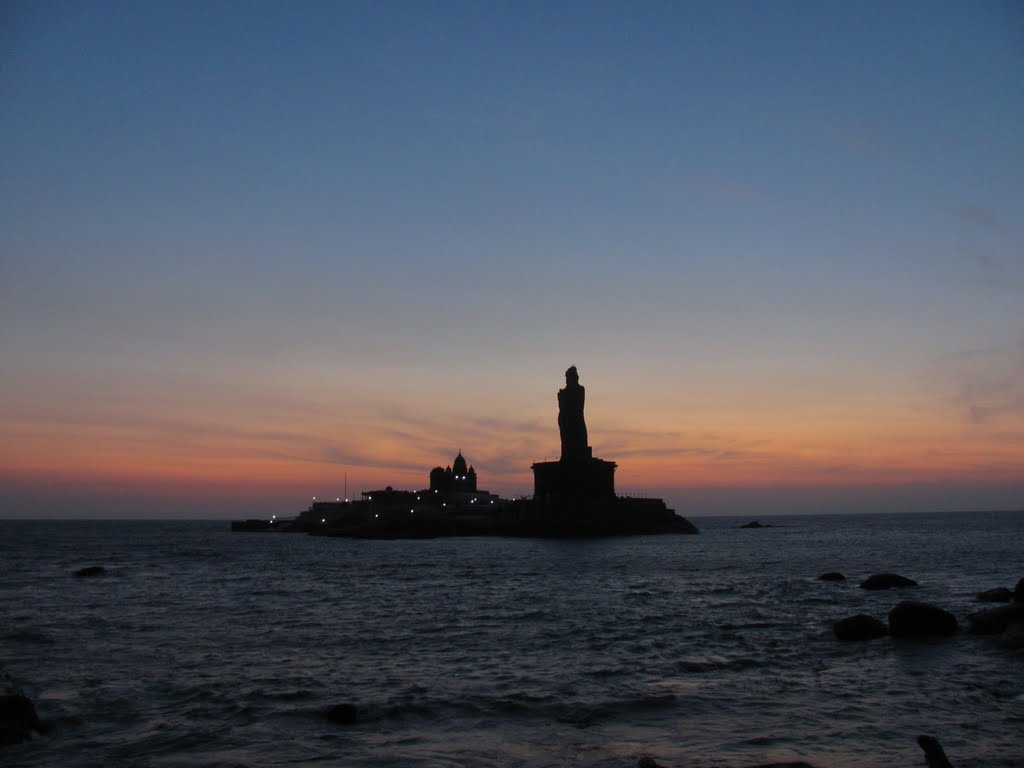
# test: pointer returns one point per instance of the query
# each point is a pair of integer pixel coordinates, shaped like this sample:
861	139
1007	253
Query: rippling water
203	647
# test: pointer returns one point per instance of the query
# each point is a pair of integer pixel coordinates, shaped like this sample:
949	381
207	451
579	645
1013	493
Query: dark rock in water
756	524
17	719
997	595
1012	637
343	714
933	752
798	764
648	762
914	619
993	621
886	581
860	627
1018	592
832	576
92	570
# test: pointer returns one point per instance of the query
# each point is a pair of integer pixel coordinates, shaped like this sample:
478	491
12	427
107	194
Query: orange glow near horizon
193	440
818	453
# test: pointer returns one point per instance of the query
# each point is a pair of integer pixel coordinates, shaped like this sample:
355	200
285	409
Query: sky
257	252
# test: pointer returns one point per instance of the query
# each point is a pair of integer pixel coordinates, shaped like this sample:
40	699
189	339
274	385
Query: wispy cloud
976	215
991	389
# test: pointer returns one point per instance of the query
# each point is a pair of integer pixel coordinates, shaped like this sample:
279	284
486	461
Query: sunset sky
249	250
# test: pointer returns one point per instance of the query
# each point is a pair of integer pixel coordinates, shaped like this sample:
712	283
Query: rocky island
573	497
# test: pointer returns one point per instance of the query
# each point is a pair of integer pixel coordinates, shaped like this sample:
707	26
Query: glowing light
323	519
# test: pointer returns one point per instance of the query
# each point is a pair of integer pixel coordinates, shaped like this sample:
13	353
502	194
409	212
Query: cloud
991	389
976	215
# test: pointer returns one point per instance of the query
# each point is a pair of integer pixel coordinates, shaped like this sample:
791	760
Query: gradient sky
251	249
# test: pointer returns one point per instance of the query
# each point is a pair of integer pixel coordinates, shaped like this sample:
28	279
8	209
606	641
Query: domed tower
464	478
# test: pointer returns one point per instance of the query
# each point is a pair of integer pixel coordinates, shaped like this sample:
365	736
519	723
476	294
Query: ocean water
202	647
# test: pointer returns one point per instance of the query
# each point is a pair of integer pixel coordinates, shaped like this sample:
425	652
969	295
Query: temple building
454	478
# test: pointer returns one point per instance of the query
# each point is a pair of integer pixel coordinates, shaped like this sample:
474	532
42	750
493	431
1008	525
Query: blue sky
788	224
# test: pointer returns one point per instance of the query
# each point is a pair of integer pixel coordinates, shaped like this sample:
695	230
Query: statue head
571	376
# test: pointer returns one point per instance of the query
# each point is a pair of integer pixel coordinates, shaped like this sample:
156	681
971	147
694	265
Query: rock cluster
912	618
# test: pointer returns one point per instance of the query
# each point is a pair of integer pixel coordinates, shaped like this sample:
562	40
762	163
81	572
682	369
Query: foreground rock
343	714
92	570
997	595
934	755
18	719
913	619
832	576
1013	637
886	581
860	627
993	621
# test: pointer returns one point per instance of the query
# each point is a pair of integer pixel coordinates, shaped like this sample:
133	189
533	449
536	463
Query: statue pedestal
566	487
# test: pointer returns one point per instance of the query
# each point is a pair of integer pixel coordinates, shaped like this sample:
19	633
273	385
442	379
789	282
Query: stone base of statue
567	486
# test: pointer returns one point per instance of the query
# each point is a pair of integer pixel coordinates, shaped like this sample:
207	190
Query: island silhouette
573	497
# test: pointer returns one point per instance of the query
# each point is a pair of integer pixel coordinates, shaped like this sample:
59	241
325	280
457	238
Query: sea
203	647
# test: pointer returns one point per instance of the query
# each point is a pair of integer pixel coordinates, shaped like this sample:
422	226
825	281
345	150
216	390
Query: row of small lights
411	511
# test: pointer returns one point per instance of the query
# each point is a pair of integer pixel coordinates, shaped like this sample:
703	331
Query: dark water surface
202	647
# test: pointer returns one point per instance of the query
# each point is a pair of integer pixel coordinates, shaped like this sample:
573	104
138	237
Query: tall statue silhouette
571	426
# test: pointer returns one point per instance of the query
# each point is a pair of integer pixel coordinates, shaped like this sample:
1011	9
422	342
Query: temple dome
459	466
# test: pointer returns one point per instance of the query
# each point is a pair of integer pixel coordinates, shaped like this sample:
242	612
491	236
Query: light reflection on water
205	647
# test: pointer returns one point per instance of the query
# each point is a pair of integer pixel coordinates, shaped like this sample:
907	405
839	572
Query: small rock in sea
860	627
343	714
993	621
756	524
1012	637
886	581
92	570
997	595
914	619
648	762
17	719
934	755
1018	592
832	576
